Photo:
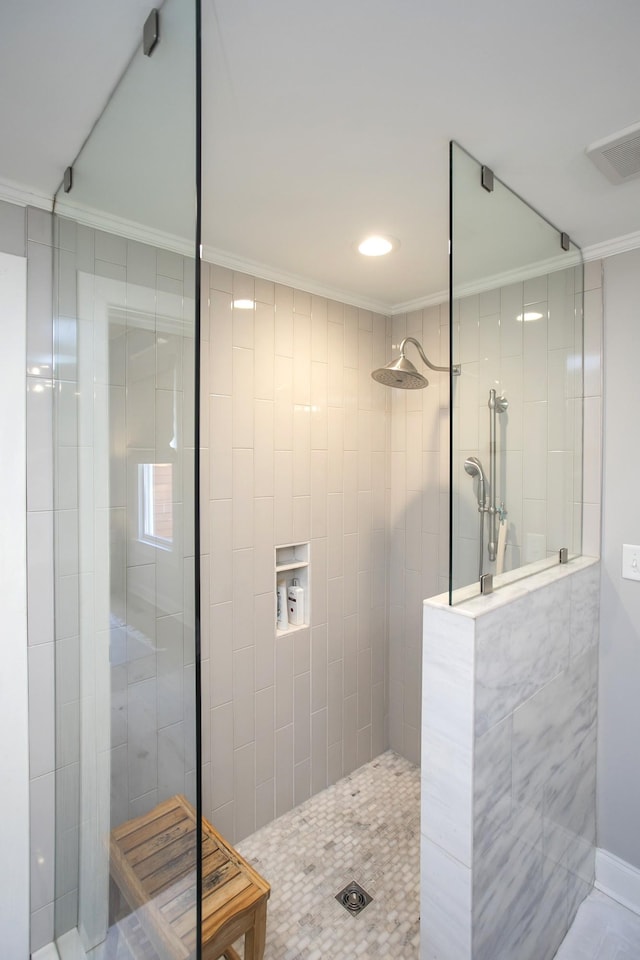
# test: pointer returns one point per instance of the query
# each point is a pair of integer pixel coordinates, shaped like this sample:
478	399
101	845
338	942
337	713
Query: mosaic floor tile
364	828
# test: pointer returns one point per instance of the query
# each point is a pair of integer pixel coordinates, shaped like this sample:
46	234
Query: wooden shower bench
152	866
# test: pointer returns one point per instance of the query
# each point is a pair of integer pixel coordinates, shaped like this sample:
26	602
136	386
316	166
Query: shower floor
365	828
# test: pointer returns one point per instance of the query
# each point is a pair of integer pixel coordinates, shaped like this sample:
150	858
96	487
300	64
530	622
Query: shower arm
425	359
496	405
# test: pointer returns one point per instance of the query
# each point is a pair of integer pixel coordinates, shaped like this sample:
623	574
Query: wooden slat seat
153	870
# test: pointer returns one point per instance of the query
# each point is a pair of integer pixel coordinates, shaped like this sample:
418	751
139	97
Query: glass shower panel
516	427
126	356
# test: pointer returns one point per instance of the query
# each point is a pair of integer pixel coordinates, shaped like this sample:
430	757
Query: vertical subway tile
39	310
242	590
220	278
263	463
40	577
302	718
242	404
39	444
283	332
111	248
243	697
222	755
265	803
42	814
283	500
302	781
265	735
242	518
319	667
245	788
220	356
284	769
12	228
284	680
264	291
335	701
318	751
243	286
243	324
264	634
264	339
42	726
350	734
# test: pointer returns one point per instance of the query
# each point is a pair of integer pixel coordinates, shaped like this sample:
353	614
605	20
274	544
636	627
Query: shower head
402	373
474	468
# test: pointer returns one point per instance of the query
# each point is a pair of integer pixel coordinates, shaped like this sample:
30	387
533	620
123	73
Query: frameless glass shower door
516	406
125	442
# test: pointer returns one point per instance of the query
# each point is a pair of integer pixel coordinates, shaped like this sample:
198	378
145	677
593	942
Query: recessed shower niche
292	570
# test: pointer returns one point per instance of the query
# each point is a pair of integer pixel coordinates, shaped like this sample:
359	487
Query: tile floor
365	828
602	930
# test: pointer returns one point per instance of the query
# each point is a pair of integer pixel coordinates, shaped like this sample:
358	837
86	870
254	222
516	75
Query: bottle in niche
296	604
281	617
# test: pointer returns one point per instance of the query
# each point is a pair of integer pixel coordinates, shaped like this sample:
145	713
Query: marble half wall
509	766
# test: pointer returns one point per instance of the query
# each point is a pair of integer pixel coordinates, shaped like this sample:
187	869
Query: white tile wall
293	434
419	475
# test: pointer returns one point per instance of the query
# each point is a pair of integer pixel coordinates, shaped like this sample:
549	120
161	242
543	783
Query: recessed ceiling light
244	304
377	246
528	317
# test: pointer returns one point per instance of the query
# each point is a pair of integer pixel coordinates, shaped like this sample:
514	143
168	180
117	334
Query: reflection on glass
516	424
125	361
155	505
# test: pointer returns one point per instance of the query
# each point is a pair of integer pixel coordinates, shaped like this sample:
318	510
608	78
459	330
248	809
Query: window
155	486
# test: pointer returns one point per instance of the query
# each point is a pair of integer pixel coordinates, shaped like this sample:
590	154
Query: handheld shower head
474	468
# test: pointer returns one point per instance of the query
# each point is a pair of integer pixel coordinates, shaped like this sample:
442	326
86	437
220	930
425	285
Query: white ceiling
324	121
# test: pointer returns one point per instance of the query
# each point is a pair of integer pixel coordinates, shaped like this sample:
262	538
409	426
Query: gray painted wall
619	732
27	232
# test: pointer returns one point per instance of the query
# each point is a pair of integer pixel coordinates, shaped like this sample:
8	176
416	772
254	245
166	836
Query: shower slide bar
496	405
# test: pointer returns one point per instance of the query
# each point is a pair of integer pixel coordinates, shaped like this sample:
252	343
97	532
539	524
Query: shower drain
353	898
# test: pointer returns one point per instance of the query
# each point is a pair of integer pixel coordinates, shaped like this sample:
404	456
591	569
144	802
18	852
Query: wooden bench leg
254	939
230	954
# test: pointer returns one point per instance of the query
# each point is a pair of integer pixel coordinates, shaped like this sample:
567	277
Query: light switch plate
630	561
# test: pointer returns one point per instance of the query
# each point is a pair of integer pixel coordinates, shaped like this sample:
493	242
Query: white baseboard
618	880
67	947
70	946
46	953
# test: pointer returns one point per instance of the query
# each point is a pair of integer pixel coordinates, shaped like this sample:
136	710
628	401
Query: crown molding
129	229
491	283
420	303
266	272
609	248
23	196
26	196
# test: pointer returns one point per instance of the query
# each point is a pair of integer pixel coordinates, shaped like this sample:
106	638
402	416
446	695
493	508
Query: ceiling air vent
618	157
